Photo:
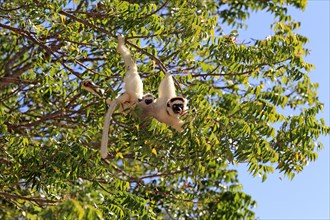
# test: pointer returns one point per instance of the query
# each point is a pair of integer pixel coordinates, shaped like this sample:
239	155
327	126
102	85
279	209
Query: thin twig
165	174
154	12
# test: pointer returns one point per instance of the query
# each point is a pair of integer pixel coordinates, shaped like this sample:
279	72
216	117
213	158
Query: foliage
239	94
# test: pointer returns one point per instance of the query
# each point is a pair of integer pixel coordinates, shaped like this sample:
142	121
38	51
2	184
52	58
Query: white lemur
167	107
92	87
132	80
132	95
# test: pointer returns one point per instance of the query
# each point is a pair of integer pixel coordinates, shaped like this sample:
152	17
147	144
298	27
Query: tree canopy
239	92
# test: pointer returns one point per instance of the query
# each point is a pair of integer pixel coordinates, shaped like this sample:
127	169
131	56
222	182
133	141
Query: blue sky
307	195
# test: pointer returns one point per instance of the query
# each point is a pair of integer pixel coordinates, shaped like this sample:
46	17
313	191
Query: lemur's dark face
91	87
177	104
147	99
177	108
88	83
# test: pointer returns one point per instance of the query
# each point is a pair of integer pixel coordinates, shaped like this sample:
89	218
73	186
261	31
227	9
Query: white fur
133	83
133	92
146	108
106	125
166	89
159	108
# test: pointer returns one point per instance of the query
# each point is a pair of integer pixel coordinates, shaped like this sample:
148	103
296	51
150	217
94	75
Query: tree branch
48	50
159	63
39	201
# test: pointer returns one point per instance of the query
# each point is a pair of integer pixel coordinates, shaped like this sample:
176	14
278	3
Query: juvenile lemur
132	95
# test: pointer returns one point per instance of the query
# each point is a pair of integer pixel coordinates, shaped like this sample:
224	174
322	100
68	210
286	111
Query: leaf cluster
249	102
